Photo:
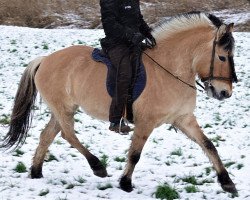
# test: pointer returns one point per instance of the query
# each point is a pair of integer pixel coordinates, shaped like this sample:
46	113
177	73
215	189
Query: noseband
232	78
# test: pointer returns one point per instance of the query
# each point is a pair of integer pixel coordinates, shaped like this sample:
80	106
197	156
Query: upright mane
185	22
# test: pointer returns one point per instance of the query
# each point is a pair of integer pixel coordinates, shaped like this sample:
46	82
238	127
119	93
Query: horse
188	46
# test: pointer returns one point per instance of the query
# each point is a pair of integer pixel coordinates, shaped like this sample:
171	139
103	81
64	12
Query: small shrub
191	189
166	192
20	168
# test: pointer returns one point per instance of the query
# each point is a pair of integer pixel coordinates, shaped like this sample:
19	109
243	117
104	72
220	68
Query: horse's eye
222	58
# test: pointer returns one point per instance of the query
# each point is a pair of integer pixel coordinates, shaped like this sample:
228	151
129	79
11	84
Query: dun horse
188	46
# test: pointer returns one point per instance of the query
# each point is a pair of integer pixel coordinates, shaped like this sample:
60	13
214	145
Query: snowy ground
168	157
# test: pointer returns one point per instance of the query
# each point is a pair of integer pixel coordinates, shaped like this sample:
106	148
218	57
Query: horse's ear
221	31
230	27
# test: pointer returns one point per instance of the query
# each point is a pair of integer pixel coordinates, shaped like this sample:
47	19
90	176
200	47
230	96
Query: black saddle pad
140	77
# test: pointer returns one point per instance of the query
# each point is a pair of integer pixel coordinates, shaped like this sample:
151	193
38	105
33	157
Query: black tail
21	116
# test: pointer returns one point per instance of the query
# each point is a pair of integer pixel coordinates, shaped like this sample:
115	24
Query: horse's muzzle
212	92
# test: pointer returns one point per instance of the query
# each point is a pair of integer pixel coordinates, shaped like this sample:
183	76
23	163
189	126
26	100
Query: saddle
136	89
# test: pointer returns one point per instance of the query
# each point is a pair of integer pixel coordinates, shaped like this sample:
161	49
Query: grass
104	160
228	164
18	153
20	168
190	179
166	192
5	119
44	192
80	179
51	158
120	159
191	189
70	186
104	187
177	152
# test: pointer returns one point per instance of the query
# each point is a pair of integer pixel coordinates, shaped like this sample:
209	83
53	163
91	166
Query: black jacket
120	20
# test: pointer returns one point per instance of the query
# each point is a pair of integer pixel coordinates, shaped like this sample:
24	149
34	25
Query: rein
176	77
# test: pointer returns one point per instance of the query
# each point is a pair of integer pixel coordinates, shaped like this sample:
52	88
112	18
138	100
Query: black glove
150	41
137	38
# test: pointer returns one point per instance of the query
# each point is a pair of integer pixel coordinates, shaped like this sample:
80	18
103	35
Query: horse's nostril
224	93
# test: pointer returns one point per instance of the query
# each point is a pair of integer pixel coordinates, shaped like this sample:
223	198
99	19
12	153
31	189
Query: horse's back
70	77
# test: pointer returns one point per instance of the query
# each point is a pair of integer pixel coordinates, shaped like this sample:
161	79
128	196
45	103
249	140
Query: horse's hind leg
188	125
66	120
140	136
46	138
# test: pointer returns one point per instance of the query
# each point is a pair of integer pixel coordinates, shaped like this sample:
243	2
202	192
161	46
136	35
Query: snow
226	123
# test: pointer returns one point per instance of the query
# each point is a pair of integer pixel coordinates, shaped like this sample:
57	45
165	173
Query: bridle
206	80
233	78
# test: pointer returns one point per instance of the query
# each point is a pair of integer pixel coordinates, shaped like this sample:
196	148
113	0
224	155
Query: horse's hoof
226	183
125	184
97	167
230	188
36	172
101	172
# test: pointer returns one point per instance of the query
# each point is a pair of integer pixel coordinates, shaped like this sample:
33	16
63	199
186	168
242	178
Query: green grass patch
45	46
80	179
177	152
120	159
190	179
70	186
50	158
104	187
166	192
208	170
18	153
20	168
104	160
228	164
191	189
239	166
5	119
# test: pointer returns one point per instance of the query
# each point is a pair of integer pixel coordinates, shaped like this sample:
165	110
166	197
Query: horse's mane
185	22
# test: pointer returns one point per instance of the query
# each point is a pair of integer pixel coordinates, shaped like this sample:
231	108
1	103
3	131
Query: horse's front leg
188	125
140	136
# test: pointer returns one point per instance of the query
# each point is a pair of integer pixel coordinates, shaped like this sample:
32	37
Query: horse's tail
21	116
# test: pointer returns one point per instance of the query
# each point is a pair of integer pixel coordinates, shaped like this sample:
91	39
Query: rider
125	29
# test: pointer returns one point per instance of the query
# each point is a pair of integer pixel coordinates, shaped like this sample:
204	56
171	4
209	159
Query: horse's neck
176	53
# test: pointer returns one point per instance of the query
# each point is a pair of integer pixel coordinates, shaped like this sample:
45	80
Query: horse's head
217	70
